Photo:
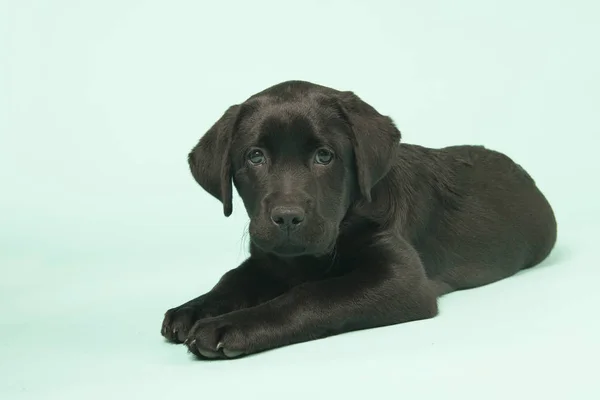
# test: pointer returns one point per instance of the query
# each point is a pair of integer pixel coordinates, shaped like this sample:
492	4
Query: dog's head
299	155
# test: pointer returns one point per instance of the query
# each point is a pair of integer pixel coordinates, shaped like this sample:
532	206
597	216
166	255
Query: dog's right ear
209	160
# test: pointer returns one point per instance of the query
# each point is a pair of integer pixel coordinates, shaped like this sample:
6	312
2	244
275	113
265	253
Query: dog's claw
219	346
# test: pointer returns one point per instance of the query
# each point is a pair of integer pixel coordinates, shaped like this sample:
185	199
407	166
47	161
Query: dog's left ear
375	139
209	160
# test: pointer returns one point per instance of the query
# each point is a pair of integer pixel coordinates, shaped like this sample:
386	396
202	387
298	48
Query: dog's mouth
282	248
289	248
314	241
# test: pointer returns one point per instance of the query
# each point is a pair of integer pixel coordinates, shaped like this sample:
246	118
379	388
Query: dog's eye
323	156
256	157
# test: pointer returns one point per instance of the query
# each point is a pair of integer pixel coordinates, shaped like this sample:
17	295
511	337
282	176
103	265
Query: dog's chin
290	249
317	242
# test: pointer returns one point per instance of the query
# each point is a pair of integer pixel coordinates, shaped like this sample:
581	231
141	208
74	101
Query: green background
102	227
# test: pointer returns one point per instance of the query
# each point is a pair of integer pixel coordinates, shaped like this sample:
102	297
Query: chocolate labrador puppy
349	228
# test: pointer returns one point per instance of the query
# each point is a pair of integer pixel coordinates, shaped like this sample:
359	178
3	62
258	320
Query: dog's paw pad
232	353
220	352
209	353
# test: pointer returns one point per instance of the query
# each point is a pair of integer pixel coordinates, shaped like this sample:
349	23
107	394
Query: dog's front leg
388	287
245	286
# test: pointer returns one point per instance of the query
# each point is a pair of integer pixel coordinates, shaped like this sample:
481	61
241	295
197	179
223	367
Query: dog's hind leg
469	276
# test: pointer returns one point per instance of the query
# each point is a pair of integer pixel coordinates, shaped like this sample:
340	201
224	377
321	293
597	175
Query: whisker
244	241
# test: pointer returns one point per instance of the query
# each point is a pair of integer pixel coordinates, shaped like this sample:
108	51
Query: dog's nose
287	217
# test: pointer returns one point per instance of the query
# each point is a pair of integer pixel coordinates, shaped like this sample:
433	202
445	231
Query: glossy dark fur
378	234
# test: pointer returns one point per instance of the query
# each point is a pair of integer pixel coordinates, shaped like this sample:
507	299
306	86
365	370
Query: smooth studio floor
102	227
82	328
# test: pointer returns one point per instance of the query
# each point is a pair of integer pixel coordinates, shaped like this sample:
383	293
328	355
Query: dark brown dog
349	228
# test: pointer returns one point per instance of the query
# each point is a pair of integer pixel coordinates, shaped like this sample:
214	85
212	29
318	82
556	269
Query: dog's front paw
178	321
221	337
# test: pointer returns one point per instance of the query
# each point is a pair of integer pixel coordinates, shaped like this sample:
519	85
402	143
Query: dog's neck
402	199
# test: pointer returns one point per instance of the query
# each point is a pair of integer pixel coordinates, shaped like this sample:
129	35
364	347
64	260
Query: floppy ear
375	139
209	160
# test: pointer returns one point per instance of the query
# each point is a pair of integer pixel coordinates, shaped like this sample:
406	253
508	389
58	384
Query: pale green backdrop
102	227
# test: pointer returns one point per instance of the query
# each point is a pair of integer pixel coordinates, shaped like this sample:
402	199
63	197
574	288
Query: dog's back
486	218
